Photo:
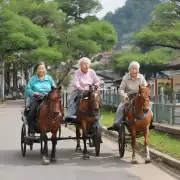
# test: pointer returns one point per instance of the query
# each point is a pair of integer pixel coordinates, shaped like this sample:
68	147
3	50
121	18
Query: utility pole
2	78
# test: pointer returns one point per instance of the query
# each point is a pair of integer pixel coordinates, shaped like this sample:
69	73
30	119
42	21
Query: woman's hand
124	98
36	94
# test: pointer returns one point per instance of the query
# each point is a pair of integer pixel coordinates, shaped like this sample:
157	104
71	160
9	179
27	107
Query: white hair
85	60
134	64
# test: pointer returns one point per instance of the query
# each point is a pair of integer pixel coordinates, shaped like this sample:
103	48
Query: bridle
50	107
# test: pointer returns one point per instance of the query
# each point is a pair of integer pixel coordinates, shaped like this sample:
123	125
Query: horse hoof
91	145
134	161
78	149
85	156
53	160
45	160
147	160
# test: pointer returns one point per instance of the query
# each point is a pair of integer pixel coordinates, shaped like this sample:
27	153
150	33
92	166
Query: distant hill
131	18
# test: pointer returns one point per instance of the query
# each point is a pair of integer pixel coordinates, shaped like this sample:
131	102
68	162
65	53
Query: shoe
151	126
110	128
114	127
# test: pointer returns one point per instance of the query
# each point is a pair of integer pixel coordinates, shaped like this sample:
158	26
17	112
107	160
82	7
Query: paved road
70	165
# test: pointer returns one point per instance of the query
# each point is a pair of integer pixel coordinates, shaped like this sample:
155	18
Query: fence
165	108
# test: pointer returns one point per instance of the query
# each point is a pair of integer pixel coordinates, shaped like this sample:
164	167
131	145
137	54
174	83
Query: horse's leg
146	142
54	143
45	157
133	144
85	153
78	146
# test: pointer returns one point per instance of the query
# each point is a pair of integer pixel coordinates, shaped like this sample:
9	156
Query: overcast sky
110	5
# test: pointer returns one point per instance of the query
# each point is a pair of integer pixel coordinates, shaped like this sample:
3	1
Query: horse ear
52	87
149	86
60	88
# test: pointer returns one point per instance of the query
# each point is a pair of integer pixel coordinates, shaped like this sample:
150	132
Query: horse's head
54	99
144	97
95	100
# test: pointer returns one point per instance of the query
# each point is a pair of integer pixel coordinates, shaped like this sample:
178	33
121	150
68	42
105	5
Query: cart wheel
97	140
121	140
23	140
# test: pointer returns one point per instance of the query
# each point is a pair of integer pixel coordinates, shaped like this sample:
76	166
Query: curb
157	156
171	130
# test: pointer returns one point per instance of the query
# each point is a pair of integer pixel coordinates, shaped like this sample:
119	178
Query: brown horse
88	113
49	118
139	118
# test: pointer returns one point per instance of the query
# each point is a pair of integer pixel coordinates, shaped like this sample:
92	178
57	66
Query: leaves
19	33
52	31
164	30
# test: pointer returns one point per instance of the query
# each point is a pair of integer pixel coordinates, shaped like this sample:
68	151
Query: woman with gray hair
129	85
83	78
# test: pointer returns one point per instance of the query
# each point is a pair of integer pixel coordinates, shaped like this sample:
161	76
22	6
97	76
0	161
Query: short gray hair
134	64
85	60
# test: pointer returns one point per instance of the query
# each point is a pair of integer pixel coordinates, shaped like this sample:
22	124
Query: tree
17	33
164	29
39	30
92	38
76	9
151	62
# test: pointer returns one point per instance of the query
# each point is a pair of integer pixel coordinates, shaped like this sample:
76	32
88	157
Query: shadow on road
64	157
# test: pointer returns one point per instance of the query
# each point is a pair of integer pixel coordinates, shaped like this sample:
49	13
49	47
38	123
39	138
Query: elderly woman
40	83
83	77
129	85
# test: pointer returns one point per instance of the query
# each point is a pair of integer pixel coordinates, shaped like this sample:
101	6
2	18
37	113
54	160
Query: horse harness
84	112
128	106
45	100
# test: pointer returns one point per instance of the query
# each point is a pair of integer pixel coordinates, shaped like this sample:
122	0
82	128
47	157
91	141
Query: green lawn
107	118
160	141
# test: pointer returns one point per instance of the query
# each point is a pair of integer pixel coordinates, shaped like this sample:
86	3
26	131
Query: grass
162	142
107	117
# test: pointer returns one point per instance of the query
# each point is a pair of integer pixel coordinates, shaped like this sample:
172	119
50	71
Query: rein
89	114
134	113
49	110
139	117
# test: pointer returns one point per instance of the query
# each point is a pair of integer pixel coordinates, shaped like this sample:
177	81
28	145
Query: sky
109	5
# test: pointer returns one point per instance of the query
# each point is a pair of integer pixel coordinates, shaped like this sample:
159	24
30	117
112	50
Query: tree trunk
8	78
2	77
14	77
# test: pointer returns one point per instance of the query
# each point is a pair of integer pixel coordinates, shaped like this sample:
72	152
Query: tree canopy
164	29
43	28
156	44
52	31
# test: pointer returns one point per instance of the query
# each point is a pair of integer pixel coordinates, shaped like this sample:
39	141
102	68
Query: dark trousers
31	118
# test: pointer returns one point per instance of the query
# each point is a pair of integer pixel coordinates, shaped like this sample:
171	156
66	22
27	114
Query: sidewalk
172	129
10	103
